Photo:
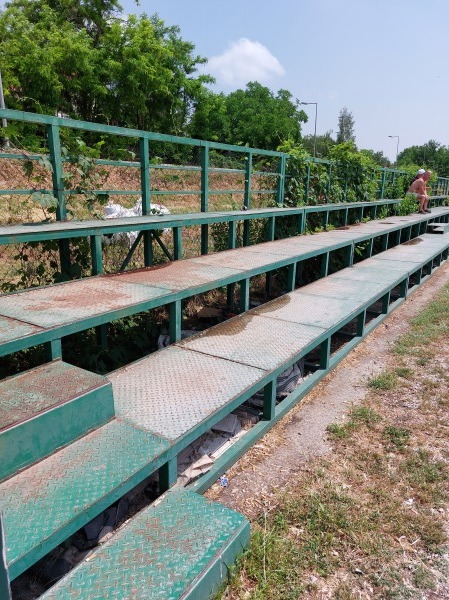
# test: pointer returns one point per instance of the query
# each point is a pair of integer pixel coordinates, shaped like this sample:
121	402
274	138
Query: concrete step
179	547
46	408
46	503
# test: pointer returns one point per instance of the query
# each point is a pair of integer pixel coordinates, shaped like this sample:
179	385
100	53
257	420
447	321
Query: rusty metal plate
69	302
341	288
300	307
27	394
402	254
254	340
437	240
55	492
292	246
237	260
174	390
11	329
167	552
179	275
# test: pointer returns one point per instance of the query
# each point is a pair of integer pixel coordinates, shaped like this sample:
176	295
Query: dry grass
369	521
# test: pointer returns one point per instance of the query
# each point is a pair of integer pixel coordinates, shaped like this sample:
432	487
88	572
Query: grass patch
397	436
404	372
387	380
358	416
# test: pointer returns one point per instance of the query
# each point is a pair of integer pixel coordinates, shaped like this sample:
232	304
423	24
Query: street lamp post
316	115
397	147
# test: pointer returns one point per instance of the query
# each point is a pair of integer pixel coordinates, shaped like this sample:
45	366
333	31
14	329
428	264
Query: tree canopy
345	127
432	155
82	59
254	116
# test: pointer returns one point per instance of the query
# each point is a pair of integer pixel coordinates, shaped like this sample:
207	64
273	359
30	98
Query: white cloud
245	61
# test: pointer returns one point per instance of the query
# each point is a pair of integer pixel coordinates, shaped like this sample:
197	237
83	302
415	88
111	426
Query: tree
254	116
345	127
431	155
377	158
323	144
84	60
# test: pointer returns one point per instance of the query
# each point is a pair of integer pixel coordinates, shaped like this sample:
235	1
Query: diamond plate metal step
47	502
179	548
43	314
46	408
438	227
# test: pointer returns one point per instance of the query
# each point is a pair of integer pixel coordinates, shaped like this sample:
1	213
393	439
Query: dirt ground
301	435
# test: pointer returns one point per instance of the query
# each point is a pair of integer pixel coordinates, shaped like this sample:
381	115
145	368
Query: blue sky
385	60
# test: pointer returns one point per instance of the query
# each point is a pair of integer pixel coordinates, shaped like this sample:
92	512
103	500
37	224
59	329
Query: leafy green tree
345	127
377	158
210	119
355	171
254	117
83	60
324	143
431	155
261	119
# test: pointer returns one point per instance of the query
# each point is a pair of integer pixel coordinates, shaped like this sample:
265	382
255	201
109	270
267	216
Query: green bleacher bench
165	401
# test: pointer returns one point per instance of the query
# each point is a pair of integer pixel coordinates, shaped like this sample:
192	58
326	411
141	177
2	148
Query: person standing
419	189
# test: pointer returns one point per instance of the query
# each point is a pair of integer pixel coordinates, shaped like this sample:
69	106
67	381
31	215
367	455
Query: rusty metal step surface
182	390
257	341
62	304
39	315
46	503
179	394
181	547
46	408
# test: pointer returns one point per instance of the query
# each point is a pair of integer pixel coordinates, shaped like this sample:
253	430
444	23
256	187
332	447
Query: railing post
280	188
53	350
382	184
244	295
269	401
97	254
291	277
204	196
247	196
325	351
168	474
54	144
271	228
5	591
248	173
145	185
307	186
177	243
175	320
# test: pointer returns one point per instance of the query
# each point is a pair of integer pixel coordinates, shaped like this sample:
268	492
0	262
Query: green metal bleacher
73	442
54	484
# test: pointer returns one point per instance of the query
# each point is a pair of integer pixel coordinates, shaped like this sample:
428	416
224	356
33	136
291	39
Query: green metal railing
263	175
276	174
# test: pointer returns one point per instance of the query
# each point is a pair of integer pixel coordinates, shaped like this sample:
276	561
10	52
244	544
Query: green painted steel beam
15	234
